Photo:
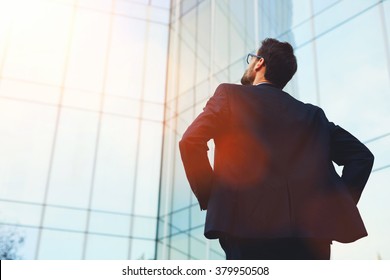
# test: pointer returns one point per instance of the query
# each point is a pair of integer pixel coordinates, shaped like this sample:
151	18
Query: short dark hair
280	61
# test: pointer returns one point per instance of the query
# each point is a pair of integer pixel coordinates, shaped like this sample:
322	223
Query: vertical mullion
57	121
98	132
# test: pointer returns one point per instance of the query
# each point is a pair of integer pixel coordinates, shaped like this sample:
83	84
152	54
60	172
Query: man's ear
259	64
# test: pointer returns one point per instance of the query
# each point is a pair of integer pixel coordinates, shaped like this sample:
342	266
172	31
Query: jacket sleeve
193	146
356	158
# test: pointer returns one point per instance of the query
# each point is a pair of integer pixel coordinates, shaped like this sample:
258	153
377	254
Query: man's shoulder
227	87
313	107
307	106
238	89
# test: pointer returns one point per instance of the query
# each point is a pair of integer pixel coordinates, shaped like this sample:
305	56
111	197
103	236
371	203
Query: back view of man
273	192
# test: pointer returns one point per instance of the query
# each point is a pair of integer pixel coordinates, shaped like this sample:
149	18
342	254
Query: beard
247	79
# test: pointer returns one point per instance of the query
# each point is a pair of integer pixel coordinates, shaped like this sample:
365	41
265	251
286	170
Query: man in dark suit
273	192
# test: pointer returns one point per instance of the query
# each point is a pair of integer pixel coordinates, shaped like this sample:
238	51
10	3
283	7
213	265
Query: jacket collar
267	84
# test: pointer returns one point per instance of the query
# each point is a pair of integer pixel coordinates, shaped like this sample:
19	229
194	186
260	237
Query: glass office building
95	95
81	120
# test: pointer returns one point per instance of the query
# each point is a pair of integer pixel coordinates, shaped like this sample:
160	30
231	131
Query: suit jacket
273	175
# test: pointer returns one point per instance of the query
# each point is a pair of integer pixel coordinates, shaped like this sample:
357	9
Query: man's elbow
183	143
370	158
192	144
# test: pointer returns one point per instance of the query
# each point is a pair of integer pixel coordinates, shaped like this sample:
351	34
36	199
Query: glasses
249	57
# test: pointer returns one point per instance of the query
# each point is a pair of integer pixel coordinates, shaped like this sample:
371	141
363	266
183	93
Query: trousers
275	249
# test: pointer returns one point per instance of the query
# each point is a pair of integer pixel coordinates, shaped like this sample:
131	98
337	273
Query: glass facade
96	94
81	125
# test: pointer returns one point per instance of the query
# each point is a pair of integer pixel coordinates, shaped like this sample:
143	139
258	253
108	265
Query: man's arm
193	146
354	156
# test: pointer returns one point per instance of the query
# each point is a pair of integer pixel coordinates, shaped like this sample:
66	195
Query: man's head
275	63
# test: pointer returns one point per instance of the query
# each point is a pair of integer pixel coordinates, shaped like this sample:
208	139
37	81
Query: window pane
236	35
107	248
162	3
38	42
153	111
148	169
186	100
179	247
186	61
181	188
301	11
197	217
116	163
339	13
347	83
29	91
58	245
122	106
181	220
103	5
126	59
198	249
65	219
81	99
7	11
13	213
306	74
156	62
88	51
221	36
216	252
106	223
144	228
71	173
142	249
26	131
